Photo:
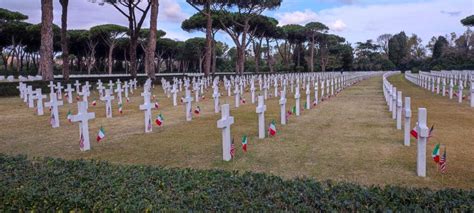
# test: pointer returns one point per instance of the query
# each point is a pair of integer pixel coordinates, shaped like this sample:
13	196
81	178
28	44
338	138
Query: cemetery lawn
349	138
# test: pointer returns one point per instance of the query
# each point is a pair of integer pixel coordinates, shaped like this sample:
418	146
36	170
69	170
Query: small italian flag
272	129
120	108
435	154
101	134
159	120
69	115
197	110
94	102
413	132
157	105
244	143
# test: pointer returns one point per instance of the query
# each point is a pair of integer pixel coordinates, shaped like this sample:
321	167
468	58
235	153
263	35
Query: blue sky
356	20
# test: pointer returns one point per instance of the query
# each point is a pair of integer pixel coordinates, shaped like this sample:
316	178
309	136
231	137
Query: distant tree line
259	44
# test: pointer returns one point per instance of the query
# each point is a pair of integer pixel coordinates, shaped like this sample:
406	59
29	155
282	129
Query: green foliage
47	184
468	21
440	47
7	15
398	50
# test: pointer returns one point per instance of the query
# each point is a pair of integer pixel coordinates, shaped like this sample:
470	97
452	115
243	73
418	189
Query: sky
355	20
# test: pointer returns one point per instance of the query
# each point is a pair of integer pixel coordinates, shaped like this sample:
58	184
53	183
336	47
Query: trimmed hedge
47	184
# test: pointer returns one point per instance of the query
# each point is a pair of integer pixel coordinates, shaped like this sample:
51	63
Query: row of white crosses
436	82
394	102
226	120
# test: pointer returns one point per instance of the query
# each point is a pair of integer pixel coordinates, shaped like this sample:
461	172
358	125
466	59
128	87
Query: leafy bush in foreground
53	184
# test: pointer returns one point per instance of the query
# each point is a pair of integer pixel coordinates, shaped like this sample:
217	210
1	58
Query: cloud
297	17
338	25
453	13
171	11
359	22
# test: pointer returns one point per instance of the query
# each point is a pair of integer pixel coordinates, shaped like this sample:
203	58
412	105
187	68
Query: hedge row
48	184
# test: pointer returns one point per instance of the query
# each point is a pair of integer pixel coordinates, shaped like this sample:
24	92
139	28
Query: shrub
46	185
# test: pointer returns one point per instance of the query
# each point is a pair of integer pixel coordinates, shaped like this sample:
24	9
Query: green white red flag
101	134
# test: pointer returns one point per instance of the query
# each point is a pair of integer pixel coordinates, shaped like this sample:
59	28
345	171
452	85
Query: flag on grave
101	134
413	132
157	105
68	116
197	110
272	129
244	143
435	154
431	131
159	120
314	103
232	149
94	102
442	162
120	108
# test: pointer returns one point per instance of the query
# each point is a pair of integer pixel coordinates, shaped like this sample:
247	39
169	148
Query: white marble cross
59	90
111	86
77	85
423	133
51	86
39	101
31	97
275	85
54	106
224	123
119	91
188	101
282	103
85	94
297	100
125	87
399	110
472	92
438	83
308	97
216	96
175	95
147	107
261	108
69	91
108	103
83	117
460	88
451	87
100	88
252	90
407	121
316	101
237	97
394	103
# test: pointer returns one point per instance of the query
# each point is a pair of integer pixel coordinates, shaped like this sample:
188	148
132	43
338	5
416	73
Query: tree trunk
64	39
133	55
311	57
209	39
269	57
214	57
150	50
46	49
110	60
